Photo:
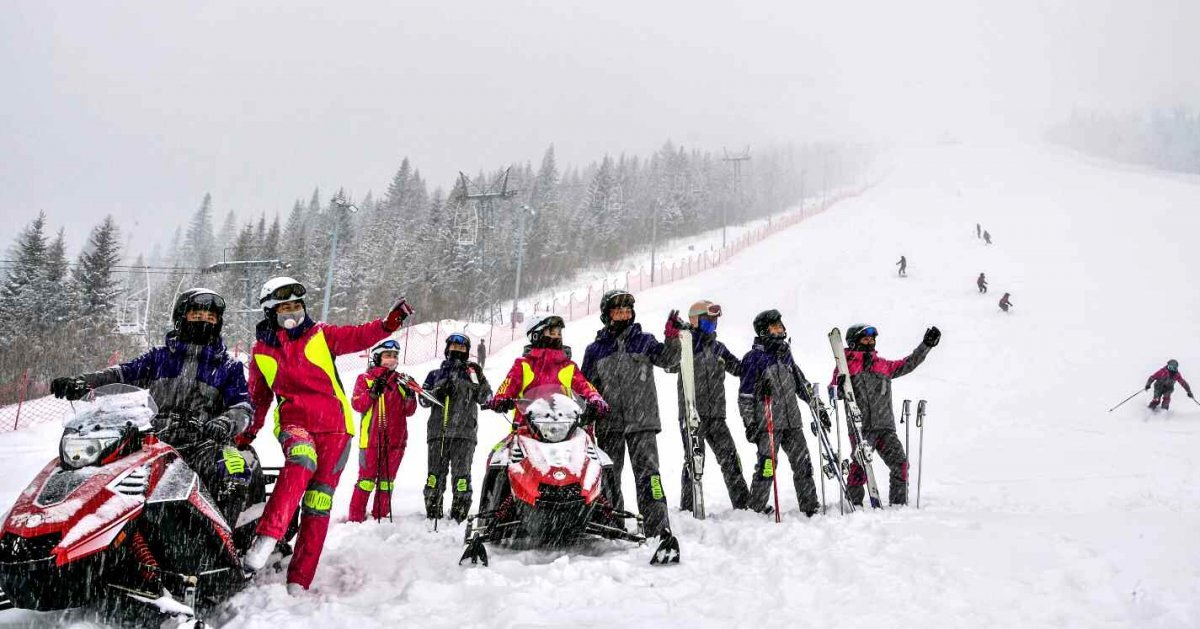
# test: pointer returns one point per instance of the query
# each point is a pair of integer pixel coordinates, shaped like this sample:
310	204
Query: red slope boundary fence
424	342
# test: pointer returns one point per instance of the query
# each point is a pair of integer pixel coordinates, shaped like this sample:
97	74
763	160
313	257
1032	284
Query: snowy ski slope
1039	509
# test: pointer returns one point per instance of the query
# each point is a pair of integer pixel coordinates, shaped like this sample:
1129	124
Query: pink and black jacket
871	377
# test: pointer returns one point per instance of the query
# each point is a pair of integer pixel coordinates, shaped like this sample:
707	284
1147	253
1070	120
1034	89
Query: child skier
385	404
871	376
621	362
1164	384
711	360
1005	303
461	387
293	366
981	282
770	373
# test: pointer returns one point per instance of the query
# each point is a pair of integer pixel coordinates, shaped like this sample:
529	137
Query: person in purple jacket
1164	384
201	394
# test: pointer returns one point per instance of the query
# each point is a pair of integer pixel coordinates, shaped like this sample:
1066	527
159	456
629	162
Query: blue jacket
771	361
199	380
621	366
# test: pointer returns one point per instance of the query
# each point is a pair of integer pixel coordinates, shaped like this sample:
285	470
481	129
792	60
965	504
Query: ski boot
667	552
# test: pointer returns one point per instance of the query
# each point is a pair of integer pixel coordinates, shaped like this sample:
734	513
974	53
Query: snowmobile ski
861	450
694	457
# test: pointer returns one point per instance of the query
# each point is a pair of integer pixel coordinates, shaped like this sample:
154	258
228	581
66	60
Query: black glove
219	429
380	384
1190	395
1147	386
825	423
500	405
69	388
762	388
932	336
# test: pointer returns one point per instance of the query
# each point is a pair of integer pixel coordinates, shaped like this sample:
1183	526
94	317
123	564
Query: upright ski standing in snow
862	451
830	466
694	457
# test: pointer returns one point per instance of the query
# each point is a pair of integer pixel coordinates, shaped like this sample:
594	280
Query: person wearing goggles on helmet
1164	385
769	371
191	376
385	404
293	365
451	433
621	362
711	360
871	376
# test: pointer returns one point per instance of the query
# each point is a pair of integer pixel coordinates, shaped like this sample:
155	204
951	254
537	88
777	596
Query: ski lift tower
735	161
474	217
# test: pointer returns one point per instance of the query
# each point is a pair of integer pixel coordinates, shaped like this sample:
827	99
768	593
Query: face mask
459	356
708	326
547	342
619	326
289	321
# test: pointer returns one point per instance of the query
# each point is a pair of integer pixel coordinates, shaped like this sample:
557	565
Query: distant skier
385	404
871	376
981	282
987	237
711	360
903	264
978	231
1164	384
621	362
451	432
1005	303
770	372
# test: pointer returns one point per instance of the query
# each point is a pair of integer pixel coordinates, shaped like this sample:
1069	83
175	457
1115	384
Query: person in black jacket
461	388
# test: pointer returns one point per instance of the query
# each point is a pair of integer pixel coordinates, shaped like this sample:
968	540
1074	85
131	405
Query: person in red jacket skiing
292	364
385	404
1164	384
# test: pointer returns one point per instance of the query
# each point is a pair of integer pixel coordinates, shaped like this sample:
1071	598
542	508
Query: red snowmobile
119	517
545	485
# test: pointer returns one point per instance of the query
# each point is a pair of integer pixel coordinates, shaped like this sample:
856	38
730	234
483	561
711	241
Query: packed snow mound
1038	507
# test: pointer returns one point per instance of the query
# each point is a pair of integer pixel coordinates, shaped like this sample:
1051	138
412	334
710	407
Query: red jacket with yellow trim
393	408
295	367
543	365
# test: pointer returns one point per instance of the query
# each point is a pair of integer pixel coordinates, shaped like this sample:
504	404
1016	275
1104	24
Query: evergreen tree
200	244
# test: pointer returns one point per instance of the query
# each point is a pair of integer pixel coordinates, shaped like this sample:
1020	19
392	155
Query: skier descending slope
871	377
1164	384
770	371
711	360
621	362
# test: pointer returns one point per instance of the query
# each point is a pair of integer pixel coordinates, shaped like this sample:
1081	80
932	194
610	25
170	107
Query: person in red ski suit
1164	381
385	404
293	365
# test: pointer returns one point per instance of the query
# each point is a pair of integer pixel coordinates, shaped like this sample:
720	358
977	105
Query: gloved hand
762	388
932	336
500	405
825	423
674	325
69	388
219	429
399	312
1190	395
832	393
1147	386
379	386
598	407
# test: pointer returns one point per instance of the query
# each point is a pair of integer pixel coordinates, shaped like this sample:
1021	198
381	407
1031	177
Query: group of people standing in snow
292	369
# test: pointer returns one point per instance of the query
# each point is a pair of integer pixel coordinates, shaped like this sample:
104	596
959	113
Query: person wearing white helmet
293	365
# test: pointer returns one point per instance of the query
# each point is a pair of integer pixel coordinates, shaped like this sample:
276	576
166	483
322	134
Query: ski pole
1135	394
920	447
771	441
904	415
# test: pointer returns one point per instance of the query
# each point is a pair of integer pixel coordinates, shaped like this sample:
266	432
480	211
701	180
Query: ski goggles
869	331
289	291
552	322
622	300
458	338
206	301
387	346
713	310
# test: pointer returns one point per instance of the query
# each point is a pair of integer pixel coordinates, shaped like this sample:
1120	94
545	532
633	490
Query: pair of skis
694	455
861	450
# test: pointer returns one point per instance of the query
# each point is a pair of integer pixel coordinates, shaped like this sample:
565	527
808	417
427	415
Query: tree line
1166	139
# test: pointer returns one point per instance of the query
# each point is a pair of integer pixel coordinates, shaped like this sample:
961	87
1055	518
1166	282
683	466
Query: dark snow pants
1163	393
643	456
453	459
888	447
715	432
791	440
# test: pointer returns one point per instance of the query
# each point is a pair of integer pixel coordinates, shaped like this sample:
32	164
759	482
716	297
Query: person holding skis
770	375
711	360
871	376
385	404
903	264
621	362
201	395
1164	385
292	365
1005	303
981	282
461	387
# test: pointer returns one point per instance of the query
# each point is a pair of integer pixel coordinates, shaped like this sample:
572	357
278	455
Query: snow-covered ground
1039	508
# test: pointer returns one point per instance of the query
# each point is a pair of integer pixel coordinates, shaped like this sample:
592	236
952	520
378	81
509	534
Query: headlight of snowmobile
553	431
77	451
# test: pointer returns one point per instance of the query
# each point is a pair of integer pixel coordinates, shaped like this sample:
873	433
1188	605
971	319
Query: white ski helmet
278	290
539	324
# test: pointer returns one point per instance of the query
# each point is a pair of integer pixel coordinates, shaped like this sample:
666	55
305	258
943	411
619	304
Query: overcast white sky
139	108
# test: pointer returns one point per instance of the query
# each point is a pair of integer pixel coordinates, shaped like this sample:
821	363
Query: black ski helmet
457	337
536	328
614	298
764	321
198	332
855	332
1172	365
